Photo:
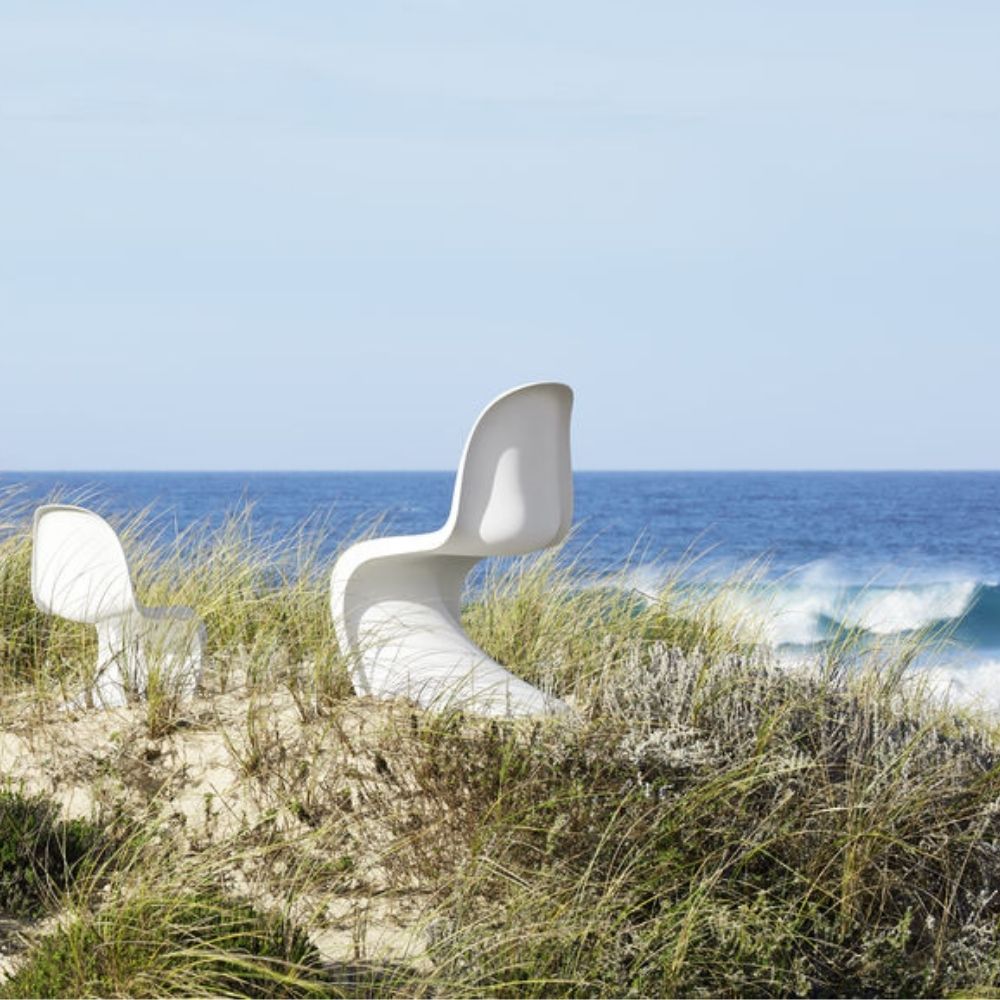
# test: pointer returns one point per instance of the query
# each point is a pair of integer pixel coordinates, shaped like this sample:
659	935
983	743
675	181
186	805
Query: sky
323	235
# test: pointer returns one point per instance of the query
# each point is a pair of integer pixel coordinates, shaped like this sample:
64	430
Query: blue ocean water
884	551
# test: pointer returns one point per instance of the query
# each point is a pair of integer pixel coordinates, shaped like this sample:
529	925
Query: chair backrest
78	568
514	489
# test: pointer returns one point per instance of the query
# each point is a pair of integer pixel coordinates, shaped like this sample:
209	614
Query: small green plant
198	944
40	854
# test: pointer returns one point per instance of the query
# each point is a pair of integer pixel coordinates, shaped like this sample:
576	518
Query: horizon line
624	471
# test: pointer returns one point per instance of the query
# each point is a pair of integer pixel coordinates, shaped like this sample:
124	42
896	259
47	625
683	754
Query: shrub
40	854
148	945
738	830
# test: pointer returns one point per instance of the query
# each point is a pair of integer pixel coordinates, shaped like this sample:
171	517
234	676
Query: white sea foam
904	609
647	579
803	608
789	617
973	684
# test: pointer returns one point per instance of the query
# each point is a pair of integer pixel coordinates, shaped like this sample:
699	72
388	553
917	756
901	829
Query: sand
248	785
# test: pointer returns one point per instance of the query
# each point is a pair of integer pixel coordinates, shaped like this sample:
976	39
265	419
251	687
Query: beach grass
710	820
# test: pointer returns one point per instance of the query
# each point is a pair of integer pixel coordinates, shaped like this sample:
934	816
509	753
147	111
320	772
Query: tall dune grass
709	822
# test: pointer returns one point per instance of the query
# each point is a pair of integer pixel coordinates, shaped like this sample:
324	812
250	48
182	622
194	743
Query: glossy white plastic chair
396	601
79	572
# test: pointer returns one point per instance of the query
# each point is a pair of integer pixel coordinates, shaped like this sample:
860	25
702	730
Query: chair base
397	621
162	646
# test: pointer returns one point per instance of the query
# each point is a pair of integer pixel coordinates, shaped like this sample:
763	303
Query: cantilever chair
396	601
79	572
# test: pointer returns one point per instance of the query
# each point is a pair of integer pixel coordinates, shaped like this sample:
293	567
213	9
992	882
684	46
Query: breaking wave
804	615
815	608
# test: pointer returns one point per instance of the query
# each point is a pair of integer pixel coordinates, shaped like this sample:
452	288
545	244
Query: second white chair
397	601
79	572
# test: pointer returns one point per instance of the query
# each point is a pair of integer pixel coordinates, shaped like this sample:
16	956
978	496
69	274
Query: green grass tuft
40	854
180	945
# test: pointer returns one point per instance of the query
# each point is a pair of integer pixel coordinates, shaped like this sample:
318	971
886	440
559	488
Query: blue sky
322	235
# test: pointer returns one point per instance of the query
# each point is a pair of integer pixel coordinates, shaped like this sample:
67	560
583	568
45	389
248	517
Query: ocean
883	552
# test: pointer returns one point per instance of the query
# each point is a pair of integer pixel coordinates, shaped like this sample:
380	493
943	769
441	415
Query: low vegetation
41	855
709	822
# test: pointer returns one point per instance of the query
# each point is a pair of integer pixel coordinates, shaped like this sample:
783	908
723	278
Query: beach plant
188	944
740	831
40	854
562	628
164	922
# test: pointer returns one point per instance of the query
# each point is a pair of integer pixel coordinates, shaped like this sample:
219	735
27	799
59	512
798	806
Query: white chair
396	601
79	572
